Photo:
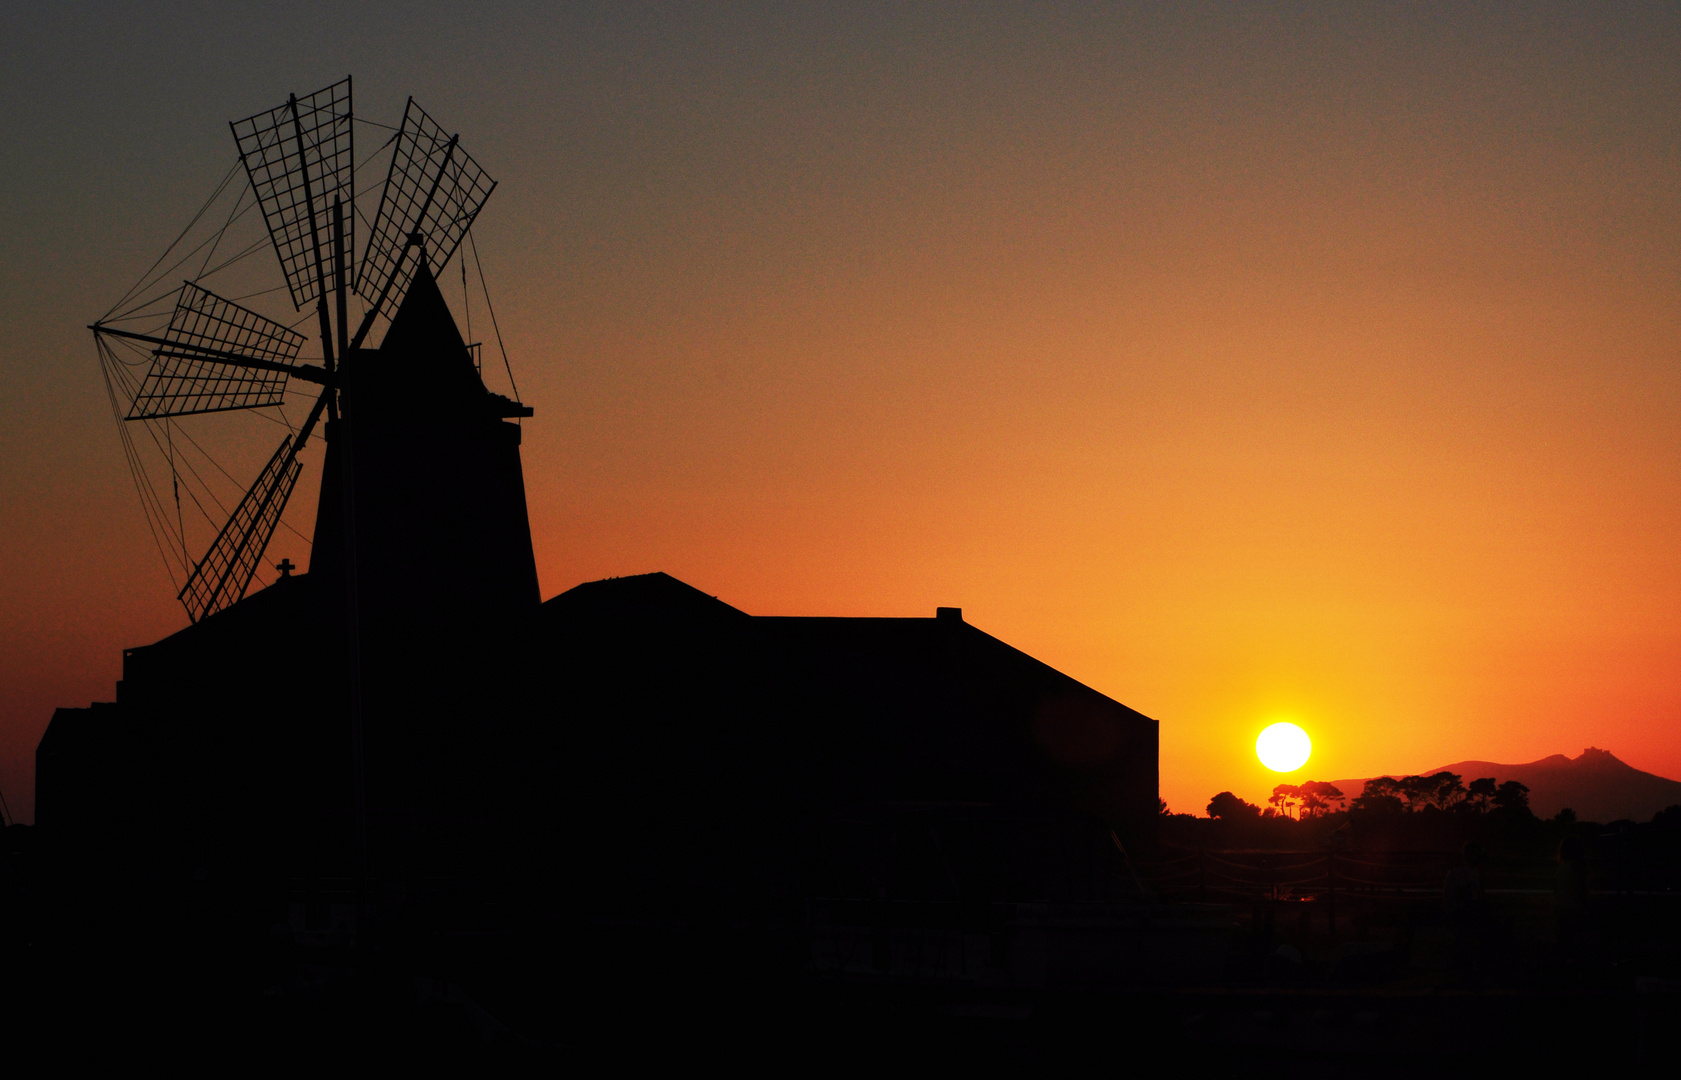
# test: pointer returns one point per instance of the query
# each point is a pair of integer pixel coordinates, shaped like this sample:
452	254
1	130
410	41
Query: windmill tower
421	549
422	474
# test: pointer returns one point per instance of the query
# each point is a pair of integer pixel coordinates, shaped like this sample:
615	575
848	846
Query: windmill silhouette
213	354
421	533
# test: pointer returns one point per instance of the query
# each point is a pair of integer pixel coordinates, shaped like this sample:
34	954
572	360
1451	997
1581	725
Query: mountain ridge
1596	784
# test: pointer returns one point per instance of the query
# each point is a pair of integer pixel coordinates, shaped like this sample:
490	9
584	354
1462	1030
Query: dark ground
1395	988
142	999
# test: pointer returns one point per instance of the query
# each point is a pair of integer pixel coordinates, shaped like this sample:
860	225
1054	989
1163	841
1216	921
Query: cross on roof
285	567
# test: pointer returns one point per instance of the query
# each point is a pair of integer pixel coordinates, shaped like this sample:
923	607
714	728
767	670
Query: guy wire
492	309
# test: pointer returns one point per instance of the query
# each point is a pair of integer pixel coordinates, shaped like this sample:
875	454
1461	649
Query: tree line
1383	796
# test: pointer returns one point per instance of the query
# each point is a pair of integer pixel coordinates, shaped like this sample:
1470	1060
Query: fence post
1331	893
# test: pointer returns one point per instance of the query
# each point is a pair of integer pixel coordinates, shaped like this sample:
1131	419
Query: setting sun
1283	747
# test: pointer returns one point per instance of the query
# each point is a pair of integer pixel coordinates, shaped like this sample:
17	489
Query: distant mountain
1597	785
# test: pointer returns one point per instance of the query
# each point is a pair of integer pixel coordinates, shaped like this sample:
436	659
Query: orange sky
1316	363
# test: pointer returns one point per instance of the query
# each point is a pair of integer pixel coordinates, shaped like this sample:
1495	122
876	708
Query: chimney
955	614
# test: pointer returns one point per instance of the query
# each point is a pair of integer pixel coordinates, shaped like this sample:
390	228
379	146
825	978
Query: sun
1283	747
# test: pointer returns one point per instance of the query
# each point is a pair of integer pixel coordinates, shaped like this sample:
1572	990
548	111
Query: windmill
190	350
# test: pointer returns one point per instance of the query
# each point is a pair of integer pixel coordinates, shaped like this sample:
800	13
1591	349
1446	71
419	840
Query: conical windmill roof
423	355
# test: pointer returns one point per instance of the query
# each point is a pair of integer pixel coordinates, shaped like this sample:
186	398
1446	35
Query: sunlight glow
1283	747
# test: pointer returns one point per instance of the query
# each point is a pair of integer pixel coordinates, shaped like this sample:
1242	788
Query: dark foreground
77	1013
1396	995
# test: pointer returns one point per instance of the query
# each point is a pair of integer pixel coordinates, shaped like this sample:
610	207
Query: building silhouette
632	752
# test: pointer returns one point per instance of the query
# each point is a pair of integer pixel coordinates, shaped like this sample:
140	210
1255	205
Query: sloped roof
656	597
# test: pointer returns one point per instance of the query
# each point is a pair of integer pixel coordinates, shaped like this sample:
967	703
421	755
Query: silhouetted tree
1383	805
1285	798
1383	785
1382	797
1668	818
1480	795
1513	798
1229	806
1440	790
1444	790
1320	797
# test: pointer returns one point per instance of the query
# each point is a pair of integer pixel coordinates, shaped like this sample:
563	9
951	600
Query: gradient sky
1246	362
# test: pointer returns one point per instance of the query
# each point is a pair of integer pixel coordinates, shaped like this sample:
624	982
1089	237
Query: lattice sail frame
426	162
184	380
222	576
268	145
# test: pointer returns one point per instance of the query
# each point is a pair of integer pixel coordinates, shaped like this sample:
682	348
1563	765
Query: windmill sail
299	156
222	576
198	371
433	190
